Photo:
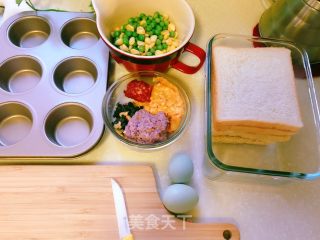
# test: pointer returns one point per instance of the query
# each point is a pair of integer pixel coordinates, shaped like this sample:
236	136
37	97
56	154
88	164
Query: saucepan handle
195	50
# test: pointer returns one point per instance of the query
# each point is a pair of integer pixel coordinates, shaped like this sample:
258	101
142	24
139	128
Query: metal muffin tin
53	77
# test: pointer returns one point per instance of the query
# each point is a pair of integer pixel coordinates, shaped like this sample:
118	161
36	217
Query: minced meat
147	128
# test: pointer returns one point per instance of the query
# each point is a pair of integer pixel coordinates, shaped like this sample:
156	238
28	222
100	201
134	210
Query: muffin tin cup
15	123
75	75
53	80
80	33
29	31
20	74
69	125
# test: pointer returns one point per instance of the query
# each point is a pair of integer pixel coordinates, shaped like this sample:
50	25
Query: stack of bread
254	95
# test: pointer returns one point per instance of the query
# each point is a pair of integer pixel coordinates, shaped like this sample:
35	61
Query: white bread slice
253	130
252	136
254	87
239	140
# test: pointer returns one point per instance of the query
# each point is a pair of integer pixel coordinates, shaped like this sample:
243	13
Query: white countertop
261	211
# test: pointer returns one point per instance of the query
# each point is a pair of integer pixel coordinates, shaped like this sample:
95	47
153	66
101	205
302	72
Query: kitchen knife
121	212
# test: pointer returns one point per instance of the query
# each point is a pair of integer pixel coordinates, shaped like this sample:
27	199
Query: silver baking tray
53	76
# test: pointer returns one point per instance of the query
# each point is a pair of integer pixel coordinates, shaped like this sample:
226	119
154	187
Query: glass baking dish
298	158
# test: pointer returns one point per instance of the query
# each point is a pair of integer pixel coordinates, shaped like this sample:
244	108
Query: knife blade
121	212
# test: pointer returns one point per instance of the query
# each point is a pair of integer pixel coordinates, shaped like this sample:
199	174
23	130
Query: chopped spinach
128	108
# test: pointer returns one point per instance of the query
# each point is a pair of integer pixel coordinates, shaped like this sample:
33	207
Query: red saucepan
114	13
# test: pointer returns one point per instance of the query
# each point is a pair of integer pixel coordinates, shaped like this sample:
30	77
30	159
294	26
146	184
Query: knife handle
128	237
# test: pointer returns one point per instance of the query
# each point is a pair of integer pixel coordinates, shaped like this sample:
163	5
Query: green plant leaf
19	2
91	6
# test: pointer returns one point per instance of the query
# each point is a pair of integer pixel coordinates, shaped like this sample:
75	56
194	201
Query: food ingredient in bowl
254	95
146	35
123	113
147	128
180	168
165	97
139	91
180	198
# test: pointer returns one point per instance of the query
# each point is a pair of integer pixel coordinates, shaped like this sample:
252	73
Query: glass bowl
298	158
115	94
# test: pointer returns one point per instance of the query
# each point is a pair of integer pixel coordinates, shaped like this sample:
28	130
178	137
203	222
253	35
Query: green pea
153	50
159	47
128	33
172	34
141	48
135	25
131	20
153	24
151	33
161	24
160	37
142	16
125	41
148	28
158	27
116	34
149	53
157	20
158	42
156	14
164	46
135	34
123	29
157	32
165	27
141	37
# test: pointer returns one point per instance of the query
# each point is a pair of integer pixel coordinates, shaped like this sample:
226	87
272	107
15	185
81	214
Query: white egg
180	168
180	198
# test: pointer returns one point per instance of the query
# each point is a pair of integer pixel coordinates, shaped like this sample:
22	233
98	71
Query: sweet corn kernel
132	40
147	40
140	30
153	38
146	48
119	41
143	22
171	27
168	41
134	51
124	48
158	52
152	44
140	43
164	32
130	28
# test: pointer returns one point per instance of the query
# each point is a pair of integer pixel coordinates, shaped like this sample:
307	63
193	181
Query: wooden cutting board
76	203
